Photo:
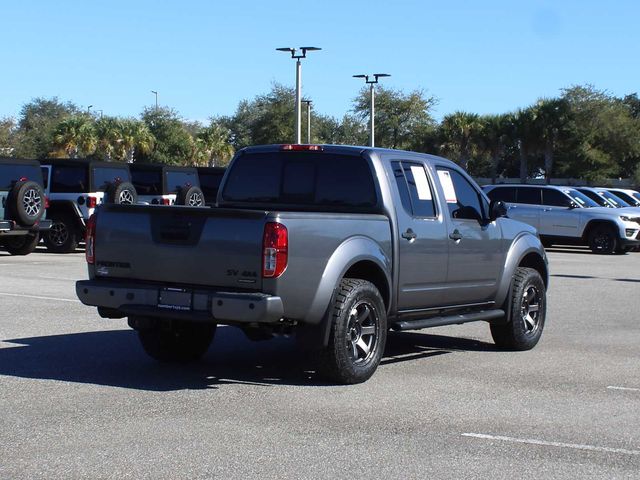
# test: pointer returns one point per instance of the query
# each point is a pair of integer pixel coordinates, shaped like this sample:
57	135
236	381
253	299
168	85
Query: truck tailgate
181	245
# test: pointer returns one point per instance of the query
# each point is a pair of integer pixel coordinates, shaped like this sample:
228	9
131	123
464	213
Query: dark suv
75	188
22	205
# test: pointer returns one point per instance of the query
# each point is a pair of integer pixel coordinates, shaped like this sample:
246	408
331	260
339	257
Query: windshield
613	199
581	199
630	199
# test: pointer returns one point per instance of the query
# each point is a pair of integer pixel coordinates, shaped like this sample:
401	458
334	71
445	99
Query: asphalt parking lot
79	398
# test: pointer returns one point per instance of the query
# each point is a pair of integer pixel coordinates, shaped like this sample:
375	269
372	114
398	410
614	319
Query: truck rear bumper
10	227
123	299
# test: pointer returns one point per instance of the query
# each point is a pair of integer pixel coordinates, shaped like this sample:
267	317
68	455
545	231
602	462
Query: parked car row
53	199
599	218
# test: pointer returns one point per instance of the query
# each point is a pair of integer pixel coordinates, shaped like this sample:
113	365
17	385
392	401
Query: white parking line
628	389
40	298
545	443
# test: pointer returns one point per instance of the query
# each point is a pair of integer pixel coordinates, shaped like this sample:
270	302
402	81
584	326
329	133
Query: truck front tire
527	313
180	342
358	333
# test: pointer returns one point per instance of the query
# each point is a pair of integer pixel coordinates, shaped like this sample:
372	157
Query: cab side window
554	198
463	200
529	195
415	189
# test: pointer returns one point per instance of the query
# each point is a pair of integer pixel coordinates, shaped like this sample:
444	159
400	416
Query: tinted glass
45	176
529	195
626	197
9	174
403	188
555	198
147	182
178	180
464	202
637	195
209	183
105	176
616	201
322	180
601	202
69	179
420	191
504	194
580	198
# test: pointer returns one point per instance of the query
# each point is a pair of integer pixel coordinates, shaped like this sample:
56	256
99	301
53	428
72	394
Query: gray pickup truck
336	244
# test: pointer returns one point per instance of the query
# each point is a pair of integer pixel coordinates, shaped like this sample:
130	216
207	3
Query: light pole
371	84
293	51
156	94
89	109
100	113
308	102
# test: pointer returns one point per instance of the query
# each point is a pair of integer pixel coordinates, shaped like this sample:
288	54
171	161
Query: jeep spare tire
26	202
123	193
191	197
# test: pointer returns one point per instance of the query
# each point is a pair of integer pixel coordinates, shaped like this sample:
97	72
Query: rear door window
415	189
529	195
147	182
11	173
177	180
105	176
504	194
69	179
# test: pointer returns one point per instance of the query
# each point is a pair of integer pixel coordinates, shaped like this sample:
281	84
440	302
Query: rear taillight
275	248
165	201
46	202
295	147
90	240
92	202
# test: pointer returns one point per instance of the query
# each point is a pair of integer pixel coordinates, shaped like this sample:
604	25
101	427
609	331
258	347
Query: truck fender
525	250
351	252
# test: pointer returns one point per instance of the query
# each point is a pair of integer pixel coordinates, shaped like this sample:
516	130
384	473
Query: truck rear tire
182	342
63	236
22	245
358	333
527	313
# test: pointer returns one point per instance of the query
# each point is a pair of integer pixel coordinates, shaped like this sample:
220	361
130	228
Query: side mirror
573	205
497	209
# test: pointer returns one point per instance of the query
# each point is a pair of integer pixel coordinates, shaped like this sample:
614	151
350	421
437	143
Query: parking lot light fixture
298	57
156	94
372	113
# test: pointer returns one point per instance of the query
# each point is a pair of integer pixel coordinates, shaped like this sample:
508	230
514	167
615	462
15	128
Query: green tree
494	139
400	116
461	133
173	143
550	116
108	138
213	144
135	136
75	135
36	124
7	134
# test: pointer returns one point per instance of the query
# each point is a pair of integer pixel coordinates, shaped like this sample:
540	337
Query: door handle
547	209
455	235
409	235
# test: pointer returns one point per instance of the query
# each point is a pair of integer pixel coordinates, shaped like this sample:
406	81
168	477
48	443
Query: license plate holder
177	299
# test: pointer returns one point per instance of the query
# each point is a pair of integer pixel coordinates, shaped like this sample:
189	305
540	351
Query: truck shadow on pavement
115	358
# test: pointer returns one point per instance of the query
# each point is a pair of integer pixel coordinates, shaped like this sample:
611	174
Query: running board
448	320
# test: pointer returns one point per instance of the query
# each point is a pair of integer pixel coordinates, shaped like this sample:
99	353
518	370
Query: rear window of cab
321	181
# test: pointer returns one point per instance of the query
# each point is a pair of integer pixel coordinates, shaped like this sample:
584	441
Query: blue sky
203	57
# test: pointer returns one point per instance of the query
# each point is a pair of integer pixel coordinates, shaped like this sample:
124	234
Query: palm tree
461	131
525	132
75	135
213	143
495	134
134	136
108	131
550	117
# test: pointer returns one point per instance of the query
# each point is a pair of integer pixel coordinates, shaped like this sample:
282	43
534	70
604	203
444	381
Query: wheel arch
597	223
